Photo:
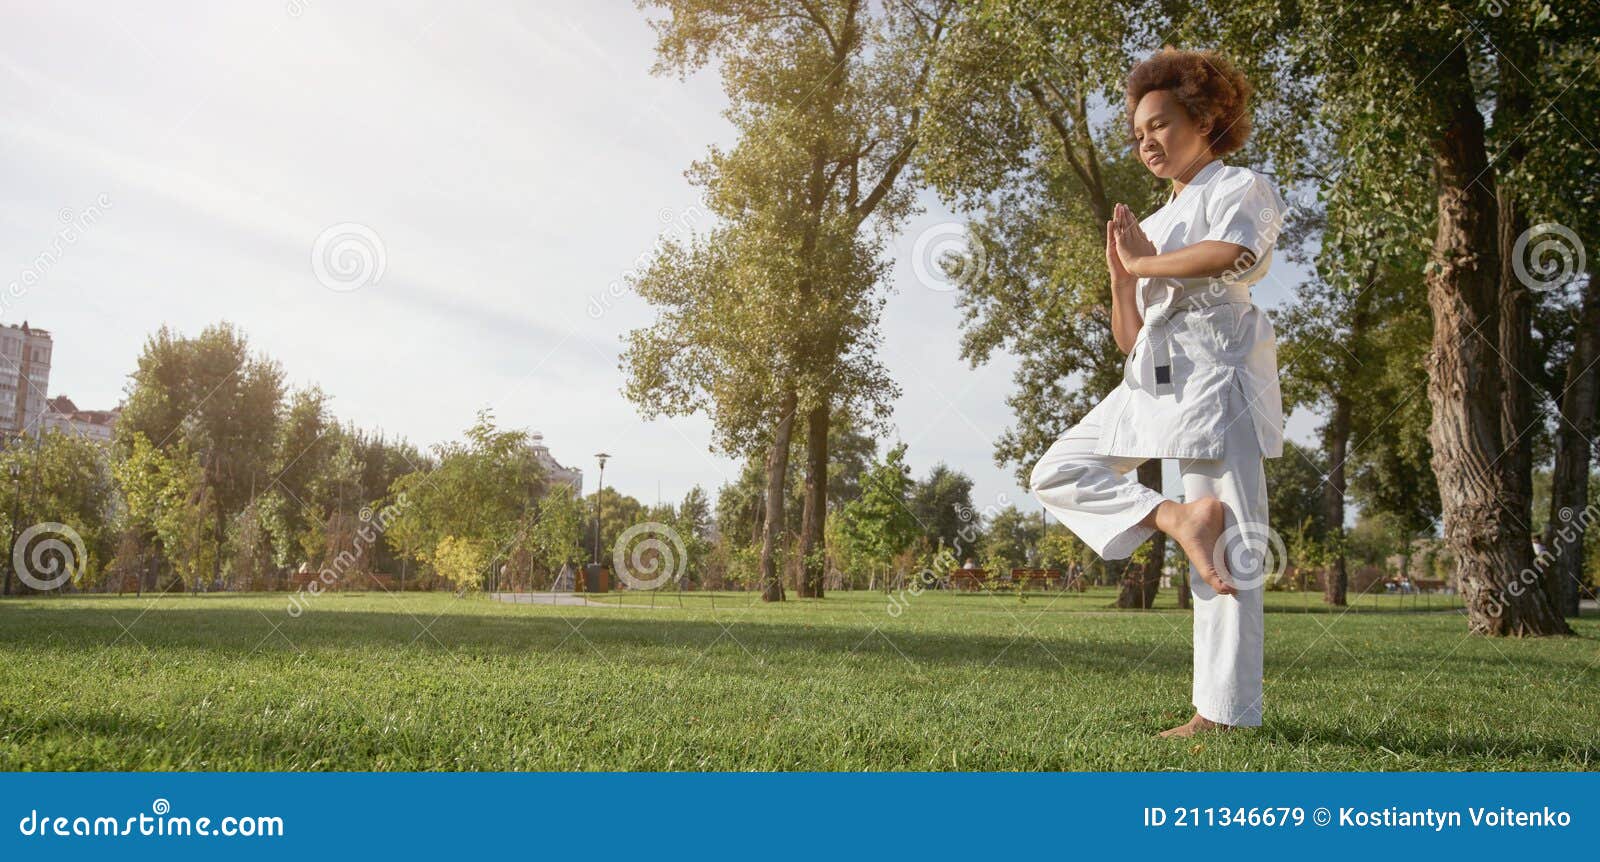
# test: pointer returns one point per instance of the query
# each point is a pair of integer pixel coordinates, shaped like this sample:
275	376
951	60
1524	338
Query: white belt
1158	322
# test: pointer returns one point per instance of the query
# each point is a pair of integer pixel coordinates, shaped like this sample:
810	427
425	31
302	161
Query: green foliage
63	479
462	561
1060	549
250	563
1296	490
1010	540
557	535
211	399
938	501
480	493
692	521
166	498
617	512
875	528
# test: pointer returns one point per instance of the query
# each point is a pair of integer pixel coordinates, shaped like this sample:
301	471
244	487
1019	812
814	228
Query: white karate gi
1201	386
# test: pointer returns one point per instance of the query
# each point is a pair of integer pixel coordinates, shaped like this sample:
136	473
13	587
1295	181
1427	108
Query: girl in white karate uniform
1200	382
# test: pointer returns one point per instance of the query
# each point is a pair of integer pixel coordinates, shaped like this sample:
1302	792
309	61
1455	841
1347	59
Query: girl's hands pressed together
1131	243
1130	255
1119	273
1125	318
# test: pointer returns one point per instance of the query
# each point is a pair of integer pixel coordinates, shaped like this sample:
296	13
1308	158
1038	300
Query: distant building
63	416
553	471
24	378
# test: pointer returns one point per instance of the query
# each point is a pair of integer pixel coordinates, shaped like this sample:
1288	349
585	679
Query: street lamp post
599	504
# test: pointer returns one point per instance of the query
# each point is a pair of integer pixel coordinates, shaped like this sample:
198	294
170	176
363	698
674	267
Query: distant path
572	599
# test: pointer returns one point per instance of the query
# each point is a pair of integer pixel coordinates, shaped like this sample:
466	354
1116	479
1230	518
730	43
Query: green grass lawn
974	682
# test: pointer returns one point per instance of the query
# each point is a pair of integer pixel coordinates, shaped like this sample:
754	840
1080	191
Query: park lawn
376	681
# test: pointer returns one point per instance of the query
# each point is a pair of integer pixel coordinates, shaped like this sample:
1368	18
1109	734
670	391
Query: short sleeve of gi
1245	210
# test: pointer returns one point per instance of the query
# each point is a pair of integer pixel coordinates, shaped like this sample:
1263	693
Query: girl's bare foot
1195	725
1197	526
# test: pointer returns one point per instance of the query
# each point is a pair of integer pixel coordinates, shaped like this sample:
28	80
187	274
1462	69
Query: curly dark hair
1206	84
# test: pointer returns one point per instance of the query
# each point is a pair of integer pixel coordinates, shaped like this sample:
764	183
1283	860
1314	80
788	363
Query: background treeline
220	477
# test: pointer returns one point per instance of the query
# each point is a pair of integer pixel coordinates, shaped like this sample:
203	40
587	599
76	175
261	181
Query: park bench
968	580
1041	578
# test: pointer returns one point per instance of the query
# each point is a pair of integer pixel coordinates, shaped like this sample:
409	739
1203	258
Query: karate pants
1099	499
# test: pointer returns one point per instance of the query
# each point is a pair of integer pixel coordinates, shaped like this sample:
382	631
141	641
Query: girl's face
1167	139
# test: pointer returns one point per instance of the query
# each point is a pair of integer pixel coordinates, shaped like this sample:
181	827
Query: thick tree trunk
1336	435
1141	582
1492	548
814	518
758	523
1516	364
1569	483
1512	108
777	469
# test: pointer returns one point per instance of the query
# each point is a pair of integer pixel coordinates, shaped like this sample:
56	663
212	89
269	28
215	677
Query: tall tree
1431	56
878	526
60	479
1579	417
306	442
938	502
826	98
1558	186
219	401
723	344
167	500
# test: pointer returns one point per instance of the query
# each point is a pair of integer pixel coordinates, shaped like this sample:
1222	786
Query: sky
426	208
